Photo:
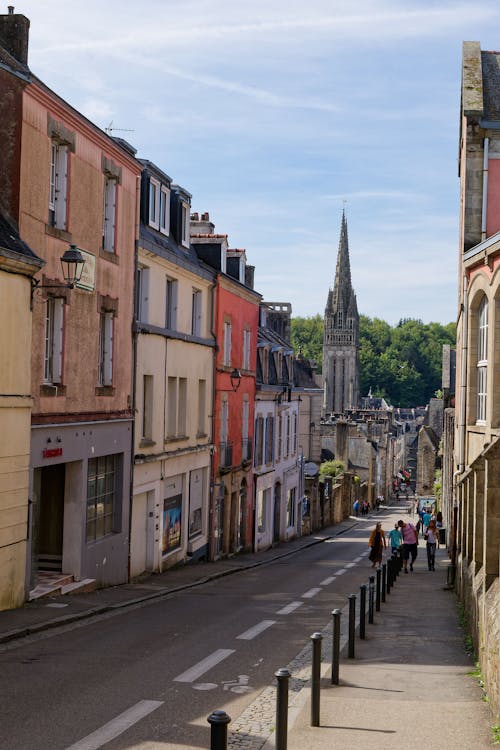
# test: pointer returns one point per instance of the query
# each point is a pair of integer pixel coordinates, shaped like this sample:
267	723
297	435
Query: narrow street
157	671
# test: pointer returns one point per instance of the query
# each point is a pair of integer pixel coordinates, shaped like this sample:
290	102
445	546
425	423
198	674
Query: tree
307	338
331	469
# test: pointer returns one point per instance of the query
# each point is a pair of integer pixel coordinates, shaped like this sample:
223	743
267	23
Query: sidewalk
408	685
57	611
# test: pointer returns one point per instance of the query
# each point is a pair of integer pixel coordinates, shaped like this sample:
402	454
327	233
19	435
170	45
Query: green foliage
495	730
438	487
307	338
399	363
331	469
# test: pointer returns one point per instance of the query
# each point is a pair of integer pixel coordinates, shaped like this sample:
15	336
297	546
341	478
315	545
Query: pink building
67	183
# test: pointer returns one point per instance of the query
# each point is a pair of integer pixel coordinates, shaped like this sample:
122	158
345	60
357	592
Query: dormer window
164	209
185	219
154	203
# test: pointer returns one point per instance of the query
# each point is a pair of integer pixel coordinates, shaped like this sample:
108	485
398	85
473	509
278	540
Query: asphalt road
149	677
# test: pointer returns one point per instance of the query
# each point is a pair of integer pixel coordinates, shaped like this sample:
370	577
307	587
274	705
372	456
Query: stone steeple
341	334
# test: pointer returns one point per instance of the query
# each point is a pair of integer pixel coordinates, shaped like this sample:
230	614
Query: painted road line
256	630
328	581
312	592
341	571
116	726
358	559
350	565
204	665
289	608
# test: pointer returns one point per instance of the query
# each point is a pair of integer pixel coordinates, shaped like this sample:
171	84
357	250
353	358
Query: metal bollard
218	721
395	563
371	597
352	624
316	639
384	581
362	610
282	675
389	575
336	614
377	590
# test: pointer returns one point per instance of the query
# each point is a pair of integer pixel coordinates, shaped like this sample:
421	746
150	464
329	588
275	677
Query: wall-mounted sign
172	516
88	276
52	452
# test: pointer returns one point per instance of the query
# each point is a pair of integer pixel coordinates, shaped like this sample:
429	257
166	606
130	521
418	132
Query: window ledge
201	435
175	438
146	443
105	390
109	255
61	234
49	389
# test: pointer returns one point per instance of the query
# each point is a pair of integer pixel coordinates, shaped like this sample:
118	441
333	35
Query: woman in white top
431	537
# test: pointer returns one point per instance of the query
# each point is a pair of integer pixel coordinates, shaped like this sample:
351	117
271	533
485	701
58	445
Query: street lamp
72	263
235	378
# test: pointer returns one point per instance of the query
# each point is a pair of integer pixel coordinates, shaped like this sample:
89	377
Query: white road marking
116	726
328	581
312	592
256	630
350	565
358	559
289	608
190	675
341	571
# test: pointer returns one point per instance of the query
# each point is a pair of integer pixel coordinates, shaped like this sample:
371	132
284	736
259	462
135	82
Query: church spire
342	288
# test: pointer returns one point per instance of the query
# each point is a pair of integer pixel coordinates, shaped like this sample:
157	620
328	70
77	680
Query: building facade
477	415
341	334
174	362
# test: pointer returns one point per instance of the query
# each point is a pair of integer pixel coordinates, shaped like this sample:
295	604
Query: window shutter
57	341
108	348
109	214
61	186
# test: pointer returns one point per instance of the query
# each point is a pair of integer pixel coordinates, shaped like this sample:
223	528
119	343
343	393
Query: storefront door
51	518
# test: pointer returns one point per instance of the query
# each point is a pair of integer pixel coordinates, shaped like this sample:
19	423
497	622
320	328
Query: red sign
52	452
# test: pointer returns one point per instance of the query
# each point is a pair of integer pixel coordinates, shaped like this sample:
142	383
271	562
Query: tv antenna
110	129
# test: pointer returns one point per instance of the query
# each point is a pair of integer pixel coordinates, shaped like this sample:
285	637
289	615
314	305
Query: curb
25	631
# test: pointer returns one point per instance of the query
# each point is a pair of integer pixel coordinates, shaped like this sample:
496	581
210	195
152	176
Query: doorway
276	515
51	518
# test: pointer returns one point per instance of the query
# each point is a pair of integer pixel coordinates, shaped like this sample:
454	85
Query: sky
276	115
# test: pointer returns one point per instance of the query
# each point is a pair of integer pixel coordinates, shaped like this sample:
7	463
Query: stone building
340	339
477	416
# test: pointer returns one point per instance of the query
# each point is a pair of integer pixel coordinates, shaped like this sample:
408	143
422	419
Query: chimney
14	33
203	225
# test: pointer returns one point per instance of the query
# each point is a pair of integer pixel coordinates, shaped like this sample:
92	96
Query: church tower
341	335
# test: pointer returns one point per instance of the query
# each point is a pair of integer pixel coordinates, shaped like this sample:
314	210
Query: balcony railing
225	455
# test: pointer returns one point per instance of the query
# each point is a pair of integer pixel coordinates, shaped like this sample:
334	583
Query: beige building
173	384
17	266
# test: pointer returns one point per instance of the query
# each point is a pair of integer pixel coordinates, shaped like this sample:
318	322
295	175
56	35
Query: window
263	500
172	407
482	360
171	304
176	408
182	408
164	210
245	442
287	436
58	185
227	343
54	321
142	294
185	216
294	433
259	441
197	479
280	438
269	453
290	507
246	349
147	407
109	212
202	405
154	203
105	376
101	491
196	313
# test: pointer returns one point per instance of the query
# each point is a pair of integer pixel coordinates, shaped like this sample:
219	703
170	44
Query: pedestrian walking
377	544
395	538
410	543
356	508
431	537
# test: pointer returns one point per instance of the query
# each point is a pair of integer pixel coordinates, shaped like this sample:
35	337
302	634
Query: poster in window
172	519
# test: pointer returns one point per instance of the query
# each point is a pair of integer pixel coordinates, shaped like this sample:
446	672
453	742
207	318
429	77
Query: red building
236	317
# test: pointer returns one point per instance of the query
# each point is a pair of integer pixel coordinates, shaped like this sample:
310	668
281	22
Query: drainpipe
485	188
463	383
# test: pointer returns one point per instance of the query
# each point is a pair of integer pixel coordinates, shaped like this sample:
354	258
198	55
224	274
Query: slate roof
10	241
490	63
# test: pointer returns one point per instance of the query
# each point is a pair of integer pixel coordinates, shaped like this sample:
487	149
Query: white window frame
164	215
109	216
482	361
154	203
106	326
58	185
228	329
185	221
171	295
196	312
54	334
